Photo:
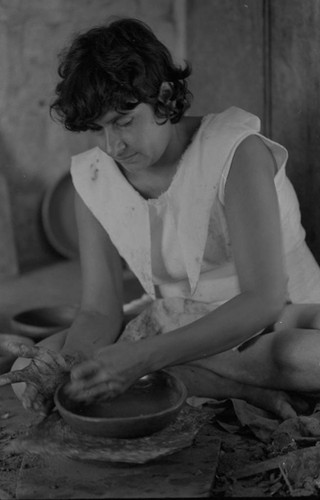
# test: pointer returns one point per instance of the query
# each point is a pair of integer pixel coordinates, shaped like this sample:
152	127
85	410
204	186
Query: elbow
274	309
273	304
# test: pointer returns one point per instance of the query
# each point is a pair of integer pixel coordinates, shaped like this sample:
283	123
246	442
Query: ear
165	92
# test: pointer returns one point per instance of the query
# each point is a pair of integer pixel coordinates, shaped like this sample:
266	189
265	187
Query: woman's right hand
44	373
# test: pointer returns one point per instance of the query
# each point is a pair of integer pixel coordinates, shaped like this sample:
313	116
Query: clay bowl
42	322
148	406
58	217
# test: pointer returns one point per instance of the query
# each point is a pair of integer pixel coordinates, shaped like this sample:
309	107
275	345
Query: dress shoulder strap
197	194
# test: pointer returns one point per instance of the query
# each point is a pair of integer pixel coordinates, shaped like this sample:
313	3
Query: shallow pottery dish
42	322
148	406
58	217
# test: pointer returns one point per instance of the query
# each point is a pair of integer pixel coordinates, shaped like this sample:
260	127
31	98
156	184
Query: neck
153	184
157	180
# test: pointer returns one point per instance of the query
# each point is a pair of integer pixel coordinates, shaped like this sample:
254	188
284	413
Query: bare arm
254	226
99	320
252	213
97	324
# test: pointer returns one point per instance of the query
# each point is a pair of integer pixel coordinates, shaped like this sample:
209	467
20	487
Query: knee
302	316
294	350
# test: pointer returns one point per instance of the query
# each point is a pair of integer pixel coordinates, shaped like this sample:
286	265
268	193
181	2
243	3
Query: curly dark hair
116	67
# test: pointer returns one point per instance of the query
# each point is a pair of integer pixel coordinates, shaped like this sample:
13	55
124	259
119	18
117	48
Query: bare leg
287	360
206	383
299	316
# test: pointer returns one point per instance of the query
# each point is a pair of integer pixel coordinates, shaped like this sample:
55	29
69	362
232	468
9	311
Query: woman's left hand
46	371
112	370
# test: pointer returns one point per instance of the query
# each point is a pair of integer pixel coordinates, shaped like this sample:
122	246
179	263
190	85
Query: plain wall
263	56
34	150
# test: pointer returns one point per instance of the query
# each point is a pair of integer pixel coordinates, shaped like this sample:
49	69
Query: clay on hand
44	373
93	383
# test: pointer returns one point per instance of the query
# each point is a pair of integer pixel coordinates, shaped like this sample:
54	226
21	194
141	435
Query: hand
112	370
44	373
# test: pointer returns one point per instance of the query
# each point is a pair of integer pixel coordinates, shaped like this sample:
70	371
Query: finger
75	390
85	370
50	357
12	377
100	392
21	350
46	407
42	405
29	396
110	391
87	375
88	384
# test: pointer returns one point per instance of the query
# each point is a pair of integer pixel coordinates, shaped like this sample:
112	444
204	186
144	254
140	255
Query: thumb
19	349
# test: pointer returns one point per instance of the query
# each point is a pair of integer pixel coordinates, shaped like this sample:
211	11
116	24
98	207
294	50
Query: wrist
147	356
102	333
73	358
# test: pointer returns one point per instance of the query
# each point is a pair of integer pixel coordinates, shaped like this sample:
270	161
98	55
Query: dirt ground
240	448
13	421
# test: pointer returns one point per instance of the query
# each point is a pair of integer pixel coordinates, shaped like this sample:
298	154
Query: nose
114	143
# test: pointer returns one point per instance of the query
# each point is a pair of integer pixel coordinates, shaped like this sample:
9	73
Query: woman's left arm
253	219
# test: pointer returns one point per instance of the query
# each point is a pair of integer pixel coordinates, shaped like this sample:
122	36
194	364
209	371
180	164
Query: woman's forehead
109	117
113	114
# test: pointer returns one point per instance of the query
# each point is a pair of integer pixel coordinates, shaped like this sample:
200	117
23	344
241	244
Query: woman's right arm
100	317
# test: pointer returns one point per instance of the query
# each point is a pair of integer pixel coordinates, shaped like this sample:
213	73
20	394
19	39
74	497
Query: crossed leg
287	359
271	371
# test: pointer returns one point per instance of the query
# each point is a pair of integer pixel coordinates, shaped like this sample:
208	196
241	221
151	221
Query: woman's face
135	139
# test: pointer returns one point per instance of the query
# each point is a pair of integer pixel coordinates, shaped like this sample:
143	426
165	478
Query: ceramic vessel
42	322
148	406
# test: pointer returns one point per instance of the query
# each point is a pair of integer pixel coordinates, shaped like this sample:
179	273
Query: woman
203	213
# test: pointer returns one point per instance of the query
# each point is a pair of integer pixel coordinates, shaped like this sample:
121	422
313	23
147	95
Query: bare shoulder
252	169
252	152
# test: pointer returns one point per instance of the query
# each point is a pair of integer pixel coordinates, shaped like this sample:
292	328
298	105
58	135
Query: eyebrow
114	118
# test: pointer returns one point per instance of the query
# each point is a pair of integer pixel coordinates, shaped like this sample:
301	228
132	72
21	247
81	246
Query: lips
126	158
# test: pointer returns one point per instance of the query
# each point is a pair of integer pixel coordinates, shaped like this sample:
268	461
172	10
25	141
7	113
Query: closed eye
125	123
96	129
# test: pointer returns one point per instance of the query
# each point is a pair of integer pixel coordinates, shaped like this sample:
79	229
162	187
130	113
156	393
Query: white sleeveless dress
178	244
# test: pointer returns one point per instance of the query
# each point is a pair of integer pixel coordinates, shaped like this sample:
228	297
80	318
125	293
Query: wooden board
8	254
225	46
187	474
295	84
